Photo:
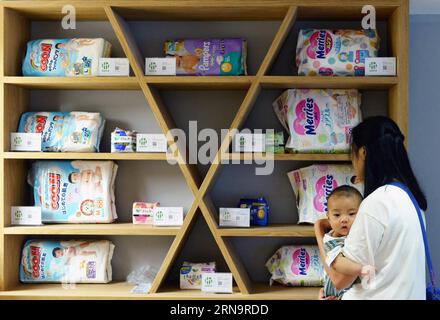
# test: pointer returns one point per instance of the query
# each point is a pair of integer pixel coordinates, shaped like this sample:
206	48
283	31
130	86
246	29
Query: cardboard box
380	66
160	66
146	142
191	274
21	141
114	67
143	212
235	217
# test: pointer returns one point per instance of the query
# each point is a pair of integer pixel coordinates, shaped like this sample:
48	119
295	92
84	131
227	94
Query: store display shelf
274	230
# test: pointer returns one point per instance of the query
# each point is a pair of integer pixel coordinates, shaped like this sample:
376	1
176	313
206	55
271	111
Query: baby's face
342	211
59	253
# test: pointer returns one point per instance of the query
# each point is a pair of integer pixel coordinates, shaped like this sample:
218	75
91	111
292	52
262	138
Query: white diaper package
75	261
74	191
312	185
297	266
318	120
65	57
335	52
65	131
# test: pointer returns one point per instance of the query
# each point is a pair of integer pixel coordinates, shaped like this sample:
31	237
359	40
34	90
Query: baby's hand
368	273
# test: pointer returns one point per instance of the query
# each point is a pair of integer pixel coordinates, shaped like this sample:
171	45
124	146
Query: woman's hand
321	296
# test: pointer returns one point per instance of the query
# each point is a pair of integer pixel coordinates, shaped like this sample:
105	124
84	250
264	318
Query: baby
342	206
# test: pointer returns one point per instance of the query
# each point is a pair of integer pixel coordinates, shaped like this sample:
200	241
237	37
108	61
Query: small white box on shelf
26	216
235	217
219	282
114	67
160	66
146	142
168	216
249	142
21	141
380	66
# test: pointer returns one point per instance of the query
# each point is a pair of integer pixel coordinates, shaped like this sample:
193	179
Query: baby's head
57	252
342	206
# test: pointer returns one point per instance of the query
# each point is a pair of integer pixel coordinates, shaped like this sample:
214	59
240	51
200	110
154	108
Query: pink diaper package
319	120
335	52
312	185
296	266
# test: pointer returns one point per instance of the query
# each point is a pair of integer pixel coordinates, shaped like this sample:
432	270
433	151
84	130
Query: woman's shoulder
384	193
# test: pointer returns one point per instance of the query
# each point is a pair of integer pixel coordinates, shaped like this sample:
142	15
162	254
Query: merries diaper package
65	131
297	266
87	261
312	185
64	57
319	120
74	191
208	57
335	52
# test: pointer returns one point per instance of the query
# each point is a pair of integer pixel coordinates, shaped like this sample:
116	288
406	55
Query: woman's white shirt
387	235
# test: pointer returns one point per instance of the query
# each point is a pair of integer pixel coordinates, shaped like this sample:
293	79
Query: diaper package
74	191
64	57
191	274
318	120
76	261
297	266
208	57
312	185
65	131
335	52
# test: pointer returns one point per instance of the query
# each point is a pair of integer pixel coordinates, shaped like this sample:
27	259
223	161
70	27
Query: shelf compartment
287	82
288	157
120	229
121	290
201	82
85	156
275	230
75	83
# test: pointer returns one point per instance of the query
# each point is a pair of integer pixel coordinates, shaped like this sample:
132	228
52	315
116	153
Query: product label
168	216
26	216
160	66
25	141
114	67
151	143
235	217
220	282
380	66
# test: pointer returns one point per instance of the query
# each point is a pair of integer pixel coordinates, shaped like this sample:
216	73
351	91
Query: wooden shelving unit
16	18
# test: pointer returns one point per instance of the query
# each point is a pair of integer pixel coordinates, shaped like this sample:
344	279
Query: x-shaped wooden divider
190	172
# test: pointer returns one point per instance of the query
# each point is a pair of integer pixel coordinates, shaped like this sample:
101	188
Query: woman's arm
321	228
346	266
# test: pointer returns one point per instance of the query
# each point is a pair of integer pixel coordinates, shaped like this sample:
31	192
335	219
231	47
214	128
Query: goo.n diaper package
75	261
65	131
297	266
335	52
65	57
208	57
74	191
312	185
319	120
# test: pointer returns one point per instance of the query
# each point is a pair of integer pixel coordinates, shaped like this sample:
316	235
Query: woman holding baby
385	233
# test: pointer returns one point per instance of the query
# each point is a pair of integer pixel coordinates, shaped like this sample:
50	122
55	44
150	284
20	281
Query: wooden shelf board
123	229
78	83
80	155
275	230
121	290
287	82
201	82
288	157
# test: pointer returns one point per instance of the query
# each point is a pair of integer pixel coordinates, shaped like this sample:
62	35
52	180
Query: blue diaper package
259	210
64	57
74	261
74	191
65	131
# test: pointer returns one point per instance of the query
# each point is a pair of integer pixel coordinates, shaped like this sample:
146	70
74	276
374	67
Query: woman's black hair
386	157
